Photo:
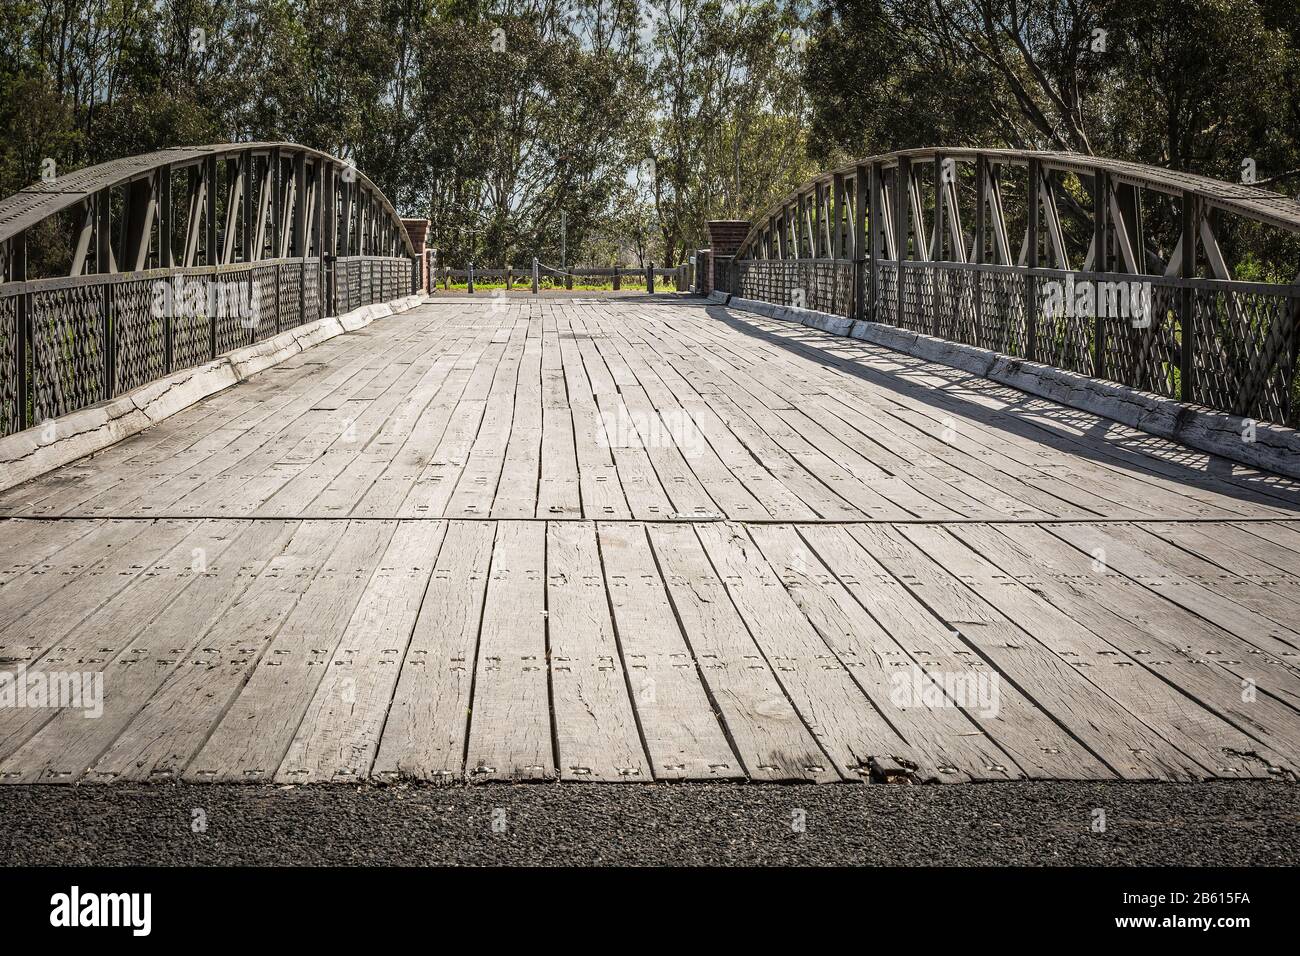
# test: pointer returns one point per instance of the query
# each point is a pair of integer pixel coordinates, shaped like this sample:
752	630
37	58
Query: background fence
680	278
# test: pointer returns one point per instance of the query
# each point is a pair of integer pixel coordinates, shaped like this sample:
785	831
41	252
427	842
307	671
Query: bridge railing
258	239
1226	344
91	338
878	242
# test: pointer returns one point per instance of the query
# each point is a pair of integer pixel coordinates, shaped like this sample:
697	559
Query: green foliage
640	120
1189	84
1195	85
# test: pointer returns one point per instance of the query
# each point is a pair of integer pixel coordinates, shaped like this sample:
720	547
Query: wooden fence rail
682	277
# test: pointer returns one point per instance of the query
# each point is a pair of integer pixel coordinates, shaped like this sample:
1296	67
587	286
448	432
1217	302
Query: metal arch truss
275	200
177	256
884	240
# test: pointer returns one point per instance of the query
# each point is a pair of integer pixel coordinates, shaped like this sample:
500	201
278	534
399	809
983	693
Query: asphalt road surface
1211	824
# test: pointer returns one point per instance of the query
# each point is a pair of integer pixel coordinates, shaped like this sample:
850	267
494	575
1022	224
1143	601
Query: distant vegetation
642	120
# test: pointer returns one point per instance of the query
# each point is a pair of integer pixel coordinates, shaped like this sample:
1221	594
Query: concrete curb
1275	447
27	454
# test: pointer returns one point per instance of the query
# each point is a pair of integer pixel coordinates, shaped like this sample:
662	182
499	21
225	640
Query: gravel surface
1208	824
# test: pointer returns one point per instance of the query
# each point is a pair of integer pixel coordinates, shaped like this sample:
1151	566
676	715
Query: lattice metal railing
139	331
178	256
1107	268
1245	354
1245	343
821	284
12	376
89	338
69	354
1000	311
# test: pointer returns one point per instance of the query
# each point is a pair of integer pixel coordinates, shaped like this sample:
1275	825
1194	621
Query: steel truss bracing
176	256
985	247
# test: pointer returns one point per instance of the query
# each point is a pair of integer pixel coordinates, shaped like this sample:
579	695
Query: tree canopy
640	120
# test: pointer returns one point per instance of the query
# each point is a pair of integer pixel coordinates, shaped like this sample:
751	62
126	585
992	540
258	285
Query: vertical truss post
318	230
937	253
300	230
328	236
874	190
977	254
277	201
210	254
1186	321
209	191
861	190
902	212
23	321
166	219
1031	280
836	249
796	227
937	248
246	228
1099	265
234	201
165	260
837	217
103	266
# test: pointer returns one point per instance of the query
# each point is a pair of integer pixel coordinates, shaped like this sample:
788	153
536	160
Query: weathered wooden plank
27	543
1192	730
394	410
1162	465
69	744
600	488
1092	717
835	708
658	410
340	732
510	725
766	731
595	728
481	476
45	626
1276	542
559	490
941	744
374	457
424	737
517	493
253	735
88	646
1032	739
387	493
676	716
1189	653
1112	546
61	566
776	499
1210	560
176	721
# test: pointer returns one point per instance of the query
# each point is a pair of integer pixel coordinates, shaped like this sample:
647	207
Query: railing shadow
1138	453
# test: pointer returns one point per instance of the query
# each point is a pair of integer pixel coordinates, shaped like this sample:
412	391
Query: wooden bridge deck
630	540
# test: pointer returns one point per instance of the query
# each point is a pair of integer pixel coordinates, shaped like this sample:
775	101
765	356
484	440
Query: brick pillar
418	230
725	237
703	274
